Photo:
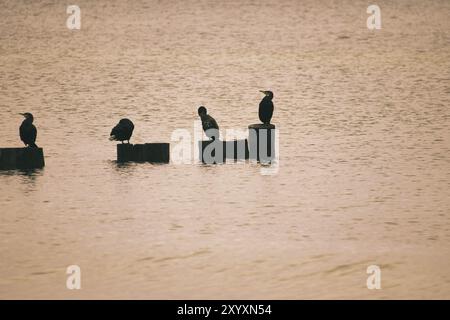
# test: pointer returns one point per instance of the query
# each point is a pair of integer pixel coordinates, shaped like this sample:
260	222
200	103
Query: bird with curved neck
28	131
122	131
266	107
209	124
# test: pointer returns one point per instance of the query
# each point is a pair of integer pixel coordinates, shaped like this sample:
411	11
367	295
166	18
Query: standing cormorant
208	124
122	131
28	131
266	107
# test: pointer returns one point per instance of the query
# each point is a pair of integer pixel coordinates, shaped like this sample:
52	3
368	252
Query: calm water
364	150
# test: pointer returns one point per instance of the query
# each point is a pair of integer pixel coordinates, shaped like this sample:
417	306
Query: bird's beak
262	91
22	114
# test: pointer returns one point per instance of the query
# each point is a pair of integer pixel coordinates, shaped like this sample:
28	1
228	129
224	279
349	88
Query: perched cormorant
122	131
28	131
266	107
208	123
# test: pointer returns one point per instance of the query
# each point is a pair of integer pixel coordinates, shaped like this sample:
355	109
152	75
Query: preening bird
209	125
122	131
28	131
266	107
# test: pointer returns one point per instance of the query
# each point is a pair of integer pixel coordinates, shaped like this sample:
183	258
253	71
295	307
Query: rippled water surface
364	170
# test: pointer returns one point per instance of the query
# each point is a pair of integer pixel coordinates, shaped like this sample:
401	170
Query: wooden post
21	158
138	153
213	152
124	152
236	149
157	152
149	152
261	142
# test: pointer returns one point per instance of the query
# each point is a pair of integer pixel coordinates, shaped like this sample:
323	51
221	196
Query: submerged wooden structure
261	142
21	158
218	151
148	152
259	146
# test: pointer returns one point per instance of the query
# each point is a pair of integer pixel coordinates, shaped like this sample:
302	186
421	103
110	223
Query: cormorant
208	123
28	131
266	107
122	131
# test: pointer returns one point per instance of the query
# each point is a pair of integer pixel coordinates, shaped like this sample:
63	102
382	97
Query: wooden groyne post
217	151
148	152
21	158
261	142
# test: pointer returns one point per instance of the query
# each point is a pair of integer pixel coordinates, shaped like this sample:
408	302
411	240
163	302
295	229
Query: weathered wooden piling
138	154
211	151
124	152
236	149
157	152
261	142
149	152
217	151
21	158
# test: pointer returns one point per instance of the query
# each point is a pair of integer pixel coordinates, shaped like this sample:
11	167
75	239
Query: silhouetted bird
266	107
28	131
208	124
122	131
